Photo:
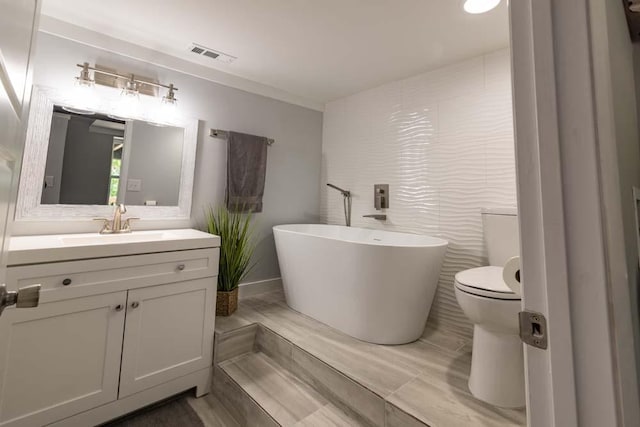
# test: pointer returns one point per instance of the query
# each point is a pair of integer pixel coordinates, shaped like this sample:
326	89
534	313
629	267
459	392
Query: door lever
26	297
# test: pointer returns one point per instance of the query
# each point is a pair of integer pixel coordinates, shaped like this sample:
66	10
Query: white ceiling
320	50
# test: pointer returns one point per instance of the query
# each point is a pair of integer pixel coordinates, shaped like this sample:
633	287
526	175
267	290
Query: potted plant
236	249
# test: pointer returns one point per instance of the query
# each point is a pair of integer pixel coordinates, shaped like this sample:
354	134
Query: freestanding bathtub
374	285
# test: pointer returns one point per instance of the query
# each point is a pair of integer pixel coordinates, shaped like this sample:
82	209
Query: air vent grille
211	53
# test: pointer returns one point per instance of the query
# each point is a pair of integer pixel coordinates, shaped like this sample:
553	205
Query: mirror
98	159
79	161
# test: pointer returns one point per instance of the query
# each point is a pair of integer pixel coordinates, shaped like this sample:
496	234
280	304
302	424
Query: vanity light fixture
480	6
83	92
85	78
132	84
170	97
130	88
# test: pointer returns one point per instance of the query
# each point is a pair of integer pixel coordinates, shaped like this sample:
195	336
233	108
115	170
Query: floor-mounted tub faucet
346	201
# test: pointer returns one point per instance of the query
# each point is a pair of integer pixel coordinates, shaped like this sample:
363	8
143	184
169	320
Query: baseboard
253	288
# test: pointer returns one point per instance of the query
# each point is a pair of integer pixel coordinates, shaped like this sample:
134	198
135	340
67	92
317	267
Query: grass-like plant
237	245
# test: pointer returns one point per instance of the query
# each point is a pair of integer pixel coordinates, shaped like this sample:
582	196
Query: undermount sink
97	239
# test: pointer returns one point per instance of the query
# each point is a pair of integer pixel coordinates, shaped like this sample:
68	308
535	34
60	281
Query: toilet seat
485	282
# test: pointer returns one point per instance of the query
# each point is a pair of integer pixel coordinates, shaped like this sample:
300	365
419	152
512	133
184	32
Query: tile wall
443	140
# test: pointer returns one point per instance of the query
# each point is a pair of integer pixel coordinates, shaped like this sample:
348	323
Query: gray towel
246	170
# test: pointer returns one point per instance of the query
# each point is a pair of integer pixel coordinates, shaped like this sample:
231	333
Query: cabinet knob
181	267
66	282
135	304
119	307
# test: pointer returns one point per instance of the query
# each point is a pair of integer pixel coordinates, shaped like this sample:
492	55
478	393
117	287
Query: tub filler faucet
346	202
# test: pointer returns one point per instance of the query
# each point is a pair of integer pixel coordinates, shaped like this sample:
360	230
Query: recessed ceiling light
480	6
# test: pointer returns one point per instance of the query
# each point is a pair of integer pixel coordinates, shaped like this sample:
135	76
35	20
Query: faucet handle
127	222
106	224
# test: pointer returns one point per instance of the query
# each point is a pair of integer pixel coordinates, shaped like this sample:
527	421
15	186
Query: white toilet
497	364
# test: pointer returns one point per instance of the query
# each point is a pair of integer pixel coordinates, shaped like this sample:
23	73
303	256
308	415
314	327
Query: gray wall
86	164
55	157
293	168
155	158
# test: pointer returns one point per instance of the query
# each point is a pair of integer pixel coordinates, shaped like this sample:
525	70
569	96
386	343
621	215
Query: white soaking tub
374	285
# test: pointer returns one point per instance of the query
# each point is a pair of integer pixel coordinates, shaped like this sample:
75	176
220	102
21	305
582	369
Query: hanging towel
246	170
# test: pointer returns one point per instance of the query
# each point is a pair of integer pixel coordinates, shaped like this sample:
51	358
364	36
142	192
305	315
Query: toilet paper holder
511	275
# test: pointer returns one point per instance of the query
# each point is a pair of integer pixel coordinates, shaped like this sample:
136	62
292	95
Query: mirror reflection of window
97	159
116	164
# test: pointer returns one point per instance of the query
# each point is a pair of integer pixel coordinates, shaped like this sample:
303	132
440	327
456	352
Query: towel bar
219	133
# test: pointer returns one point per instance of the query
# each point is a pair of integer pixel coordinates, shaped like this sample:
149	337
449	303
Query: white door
168	333
569	220
60	359
18	21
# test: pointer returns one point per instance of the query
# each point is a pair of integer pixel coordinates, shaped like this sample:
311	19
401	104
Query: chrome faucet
117	216
346	202
116	225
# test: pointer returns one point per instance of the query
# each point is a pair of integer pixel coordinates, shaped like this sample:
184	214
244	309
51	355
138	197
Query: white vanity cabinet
111	335
61	359
166	334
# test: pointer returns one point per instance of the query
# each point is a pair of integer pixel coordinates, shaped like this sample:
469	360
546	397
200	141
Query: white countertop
67	247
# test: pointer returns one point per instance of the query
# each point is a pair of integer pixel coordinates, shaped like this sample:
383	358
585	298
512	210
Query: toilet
497	364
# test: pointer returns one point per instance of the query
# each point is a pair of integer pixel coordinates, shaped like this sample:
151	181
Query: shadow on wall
266	259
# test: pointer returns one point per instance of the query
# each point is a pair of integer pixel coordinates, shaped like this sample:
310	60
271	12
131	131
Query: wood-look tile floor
426	379
211	411
287	399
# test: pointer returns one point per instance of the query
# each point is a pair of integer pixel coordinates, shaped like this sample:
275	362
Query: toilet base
497	368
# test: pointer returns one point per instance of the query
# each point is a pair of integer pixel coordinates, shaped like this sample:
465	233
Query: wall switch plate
134	185
49	181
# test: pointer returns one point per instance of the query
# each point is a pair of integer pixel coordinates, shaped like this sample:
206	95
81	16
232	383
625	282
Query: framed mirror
81	161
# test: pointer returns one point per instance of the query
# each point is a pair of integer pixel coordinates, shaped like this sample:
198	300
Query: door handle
26	297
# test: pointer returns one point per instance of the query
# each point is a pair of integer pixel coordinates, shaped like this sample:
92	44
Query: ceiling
318	50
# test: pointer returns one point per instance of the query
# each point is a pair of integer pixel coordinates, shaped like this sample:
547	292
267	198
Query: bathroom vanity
123	321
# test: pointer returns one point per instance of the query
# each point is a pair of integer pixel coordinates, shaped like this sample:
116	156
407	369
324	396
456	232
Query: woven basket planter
227	302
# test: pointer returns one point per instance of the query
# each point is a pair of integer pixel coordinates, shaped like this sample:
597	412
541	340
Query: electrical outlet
134	185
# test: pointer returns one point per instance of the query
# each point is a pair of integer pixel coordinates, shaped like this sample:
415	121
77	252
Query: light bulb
128	105
166	112
83	95
167	109
480	6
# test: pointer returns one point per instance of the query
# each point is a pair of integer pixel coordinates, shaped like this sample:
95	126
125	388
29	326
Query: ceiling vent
211	53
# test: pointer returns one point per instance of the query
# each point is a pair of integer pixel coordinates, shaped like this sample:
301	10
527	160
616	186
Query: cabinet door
168	333
60	358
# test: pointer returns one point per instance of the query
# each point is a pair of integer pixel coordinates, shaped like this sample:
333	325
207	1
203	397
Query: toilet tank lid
507	210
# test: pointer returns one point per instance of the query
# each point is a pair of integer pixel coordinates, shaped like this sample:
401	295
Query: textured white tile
498	70
443	141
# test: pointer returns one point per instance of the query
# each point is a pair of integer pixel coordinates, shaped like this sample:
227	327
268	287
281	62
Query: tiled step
263	379
281	397
414	385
